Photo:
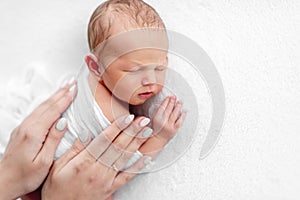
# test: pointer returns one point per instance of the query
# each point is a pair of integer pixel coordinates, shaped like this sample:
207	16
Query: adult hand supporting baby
29	154
94	170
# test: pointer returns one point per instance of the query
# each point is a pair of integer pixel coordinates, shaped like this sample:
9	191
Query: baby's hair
137	14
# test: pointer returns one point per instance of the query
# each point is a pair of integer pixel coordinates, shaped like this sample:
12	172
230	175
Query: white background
255	47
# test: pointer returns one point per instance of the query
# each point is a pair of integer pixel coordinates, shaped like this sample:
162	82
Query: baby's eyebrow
136	62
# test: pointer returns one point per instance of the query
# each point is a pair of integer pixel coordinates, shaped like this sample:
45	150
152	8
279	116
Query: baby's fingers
179	121
165	103
176	112
161	109
170	106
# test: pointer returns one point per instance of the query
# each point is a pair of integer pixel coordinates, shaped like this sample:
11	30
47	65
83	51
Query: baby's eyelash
160	68
133	70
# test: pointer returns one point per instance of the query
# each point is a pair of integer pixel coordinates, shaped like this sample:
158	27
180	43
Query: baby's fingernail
129	119
179	103
144	122
147	133
172	99
61	124
185	111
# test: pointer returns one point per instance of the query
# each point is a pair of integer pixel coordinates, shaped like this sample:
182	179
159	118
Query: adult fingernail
134	158
138	153
147	160
83	137
144	122
64	84
129	119
61	124
147	133
148	163
71	80
73	88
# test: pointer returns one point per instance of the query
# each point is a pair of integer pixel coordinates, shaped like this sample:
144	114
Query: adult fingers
119	145
38	128
46	120
124	177
76	149
53	138
130	154
51	100
103	140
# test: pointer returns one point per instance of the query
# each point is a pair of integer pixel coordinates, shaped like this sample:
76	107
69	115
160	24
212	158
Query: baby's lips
146	95
149	92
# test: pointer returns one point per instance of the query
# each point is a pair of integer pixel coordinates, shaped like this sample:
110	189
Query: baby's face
136	76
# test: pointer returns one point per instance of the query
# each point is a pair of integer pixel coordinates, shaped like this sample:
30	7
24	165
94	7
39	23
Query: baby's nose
149	78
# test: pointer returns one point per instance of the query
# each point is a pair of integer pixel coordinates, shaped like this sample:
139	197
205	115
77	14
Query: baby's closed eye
160	68
135	69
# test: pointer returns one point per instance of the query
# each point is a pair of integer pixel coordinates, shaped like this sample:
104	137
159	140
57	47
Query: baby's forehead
148	54
133	41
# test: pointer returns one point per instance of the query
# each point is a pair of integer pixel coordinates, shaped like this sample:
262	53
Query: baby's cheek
127	91
161	77
159	88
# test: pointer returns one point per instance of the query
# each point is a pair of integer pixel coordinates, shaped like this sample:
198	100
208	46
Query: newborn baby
124	73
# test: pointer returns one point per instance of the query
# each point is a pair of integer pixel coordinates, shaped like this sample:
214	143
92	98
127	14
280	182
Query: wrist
4	194
161	139
153	146
7	189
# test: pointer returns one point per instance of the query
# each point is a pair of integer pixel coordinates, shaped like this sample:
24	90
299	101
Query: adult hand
94	171
30	151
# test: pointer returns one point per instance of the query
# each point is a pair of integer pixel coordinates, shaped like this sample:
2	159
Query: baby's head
129	47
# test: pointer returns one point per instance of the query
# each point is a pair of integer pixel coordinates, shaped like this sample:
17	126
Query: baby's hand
167	119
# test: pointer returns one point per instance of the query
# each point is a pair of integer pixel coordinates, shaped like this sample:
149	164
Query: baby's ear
92	63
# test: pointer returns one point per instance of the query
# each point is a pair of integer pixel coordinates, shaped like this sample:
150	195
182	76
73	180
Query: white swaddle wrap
84	115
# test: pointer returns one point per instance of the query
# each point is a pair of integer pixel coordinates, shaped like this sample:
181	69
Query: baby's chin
137	103
137	100
140	100
132	102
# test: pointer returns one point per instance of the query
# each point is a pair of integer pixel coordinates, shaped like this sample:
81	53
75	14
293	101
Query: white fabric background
253	45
